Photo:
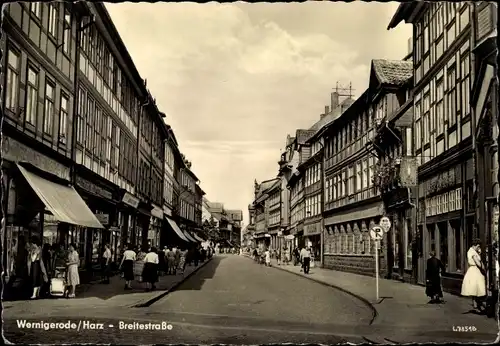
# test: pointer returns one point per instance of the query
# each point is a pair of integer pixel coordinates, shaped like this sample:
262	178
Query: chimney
335	100
327	110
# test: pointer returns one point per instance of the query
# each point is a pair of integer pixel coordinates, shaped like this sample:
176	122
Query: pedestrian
255	254
305	256
171	262
106	263
295	255
150	271
196	256
36	268
182	261
268	257
129	257
73	276
435	268
177	256
287	255
47	261
278	256
474	282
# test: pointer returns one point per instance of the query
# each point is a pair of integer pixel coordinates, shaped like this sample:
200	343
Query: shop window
395	245
443	243
408	243
432	237
457	234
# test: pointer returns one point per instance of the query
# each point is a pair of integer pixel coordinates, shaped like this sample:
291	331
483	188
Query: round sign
385	223
377	233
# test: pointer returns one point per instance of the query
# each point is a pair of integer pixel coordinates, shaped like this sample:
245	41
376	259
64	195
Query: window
426	39
443	243
82	103
439	47
32	96
466	130
464	18
439	147
12	86
452	101
67	31
63	118
457	234
53	19
440	107
451	34
36	9
48	114
351	178
359	178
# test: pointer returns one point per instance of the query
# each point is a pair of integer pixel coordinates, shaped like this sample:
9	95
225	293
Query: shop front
127	220
41	208
155	226
347	245
312	238
102	199
446	221
401	249
143	222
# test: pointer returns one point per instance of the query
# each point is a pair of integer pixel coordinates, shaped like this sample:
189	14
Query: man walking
305	255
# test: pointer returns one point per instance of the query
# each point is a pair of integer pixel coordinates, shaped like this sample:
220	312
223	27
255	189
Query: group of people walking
282	256
473	284
147	265
45	263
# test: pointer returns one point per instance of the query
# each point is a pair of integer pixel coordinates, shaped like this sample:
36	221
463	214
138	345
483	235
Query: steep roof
392	72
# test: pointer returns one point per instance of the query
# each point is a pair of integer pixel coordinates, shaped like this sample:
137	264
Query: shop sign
157	212
130	200
103	218
93	188
15	151
312	229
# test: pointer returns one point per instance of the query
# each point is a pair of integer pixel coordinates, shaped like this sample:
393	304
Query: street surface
231	300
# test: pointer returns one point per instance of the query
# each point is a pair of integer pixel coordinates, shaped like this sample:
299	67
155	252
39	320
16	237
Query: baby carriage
58	284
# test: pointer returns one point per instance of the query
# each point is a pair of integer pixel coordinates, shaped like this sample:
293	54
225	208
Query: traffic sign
385	223
377	233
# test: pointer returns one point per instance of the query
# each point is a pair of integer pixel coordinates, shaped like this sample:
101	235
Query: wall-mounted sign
103	218
93	188
130	200
312	229
13	150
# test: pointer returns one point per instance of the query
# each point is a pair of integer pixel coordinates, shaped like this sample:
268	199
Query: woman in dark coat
433	278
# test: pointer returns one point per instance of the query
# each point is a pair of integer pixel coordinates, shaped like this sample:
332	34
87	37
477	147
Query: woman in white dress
268	257
73	276
474	283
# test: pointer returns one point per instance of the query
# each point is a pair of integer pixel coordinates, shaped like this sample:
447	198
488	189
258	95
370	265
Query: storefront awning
176	229
195	236
186	234
62	201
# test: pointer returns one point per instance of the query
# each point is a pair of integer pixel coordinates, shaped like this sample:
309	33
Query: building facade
443	132
484	107
262	212
351	204
395	172
39	79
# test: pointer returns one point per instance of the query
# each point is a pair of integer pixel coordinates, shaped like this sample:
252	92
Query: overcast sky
235	79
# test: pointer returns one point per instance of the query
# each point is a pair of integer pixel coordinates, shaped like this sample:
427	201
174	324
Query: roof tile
392	72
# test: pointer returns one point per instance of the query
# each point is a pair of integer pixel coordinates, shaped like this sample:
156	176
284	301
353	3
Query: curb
162	294
364	300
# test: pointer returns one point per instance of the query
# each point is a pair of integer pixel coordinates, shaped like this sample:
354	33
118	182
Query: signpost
385	223
376	234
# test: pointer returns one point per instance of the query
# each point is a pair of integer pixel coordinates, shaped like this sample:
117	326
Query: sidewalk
98	295
402	313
